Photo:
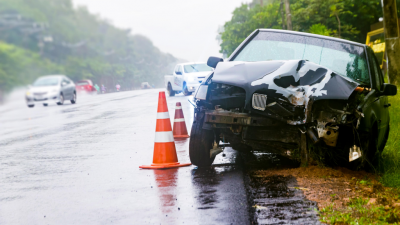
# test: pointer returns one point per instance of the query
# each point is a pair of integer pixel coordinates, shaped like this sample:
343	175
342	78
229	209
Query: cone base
181	136
164	165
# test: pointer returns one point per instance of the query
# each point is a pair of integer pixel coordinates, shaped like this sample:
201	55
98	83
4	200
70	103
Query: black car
296	94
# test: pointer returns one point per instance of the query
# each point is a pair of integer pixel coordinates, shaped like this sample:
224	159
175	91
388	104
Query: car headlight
28	93
201	92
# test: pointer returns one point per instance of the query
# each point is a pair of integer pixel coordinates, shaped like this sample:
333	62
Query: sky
187	29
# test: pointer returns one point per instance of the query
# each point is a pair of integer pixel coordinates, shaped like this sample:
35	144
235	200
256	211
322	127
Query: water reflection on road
78	164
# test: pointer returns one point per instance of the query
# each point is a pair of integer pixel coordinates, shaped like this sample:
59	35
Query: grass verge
390	163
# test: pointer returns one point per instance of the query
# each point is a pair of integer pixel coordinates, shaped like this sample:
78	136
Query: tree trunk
338	20
282	14
288	15
261	3
392	40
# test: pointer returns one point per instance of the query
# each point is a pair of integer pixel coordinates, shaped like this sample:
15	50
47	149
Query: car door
381	102
66	88
178	77
375	107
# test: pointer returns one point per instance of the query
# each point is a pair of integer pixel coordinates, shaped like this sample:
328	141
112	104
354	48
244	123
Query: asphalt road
79	164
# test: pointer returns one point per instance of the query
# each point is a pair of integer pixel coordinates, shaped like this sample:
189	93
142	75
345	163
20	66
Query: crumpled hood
294	80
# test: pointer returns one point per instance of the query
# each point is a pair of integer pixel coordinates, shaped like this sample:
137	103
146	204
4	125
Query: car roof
312	35
55	76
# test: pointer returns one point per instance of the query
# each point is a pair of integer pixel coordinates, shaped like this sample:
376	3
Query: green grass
390	163
358	212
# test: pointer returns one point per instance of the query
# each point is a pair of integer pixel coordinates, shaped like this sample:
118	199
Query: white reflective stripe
179	120
178	107
164	136
163	115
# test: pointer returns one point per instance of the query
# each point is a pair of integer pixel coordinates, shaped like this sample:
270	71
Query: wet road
78	164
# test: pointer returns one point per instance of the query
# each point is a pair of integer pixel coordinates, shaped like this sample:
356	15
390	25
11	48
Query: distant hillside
51	36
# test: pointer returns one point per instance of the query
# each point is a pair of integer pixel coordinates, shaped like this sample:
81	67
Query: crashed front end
273	105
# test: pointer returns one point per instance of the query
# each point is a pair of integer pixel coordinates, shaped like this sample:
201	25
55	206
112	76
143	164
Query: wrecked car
295	94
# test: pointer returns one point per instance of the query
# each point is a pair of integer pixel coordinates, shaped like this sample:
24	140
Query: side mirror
178	73
389	90
63	84
213	61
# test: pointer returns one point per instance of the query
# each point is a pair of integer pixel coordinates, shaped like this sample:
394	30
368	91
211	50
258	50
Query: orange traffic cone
180	130
164	147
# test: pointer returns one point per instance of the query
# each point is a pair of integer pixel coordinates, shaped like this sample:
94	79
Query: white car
53	88
186	77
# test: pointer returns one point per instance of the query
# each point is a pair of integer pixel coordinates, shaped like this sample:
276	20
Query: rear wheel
171	92
31	106
73	100
186	91
61	100
45	104
201	142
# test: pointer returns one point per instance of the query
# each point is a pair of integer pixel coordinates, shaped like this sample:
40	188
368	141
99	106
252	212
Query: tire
186	91
45	104
31	106
383	144
170	91
369	159
201	142
73	100
61	100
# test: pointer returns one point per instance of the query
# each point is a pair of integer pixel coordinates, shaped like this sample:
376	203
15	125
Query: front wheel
171	92
73	100
61	101
201	142
31	106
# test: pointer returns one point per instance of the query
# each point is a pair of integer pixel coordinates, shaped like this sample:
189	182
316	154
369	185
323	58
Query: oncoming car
52	88
294	94
186	78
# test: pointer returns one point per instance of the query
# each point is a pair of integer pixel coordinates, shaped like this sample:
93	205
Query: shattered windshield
345	59
194	68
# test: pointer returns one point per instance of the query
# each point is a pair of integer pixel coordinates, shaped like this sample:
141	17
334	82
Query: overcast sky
185	28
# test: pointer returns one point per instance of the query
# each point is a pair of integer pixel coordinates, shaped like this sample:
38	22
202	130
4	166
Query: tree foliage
348	19
79	44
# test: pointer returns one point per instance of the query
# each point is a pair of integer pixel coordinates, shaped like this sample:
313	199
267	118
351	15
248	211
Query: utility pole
261	3
288	16
392	40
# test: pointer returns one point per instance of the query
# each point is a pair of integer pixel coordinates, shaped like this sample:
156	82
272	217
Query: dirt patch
326	185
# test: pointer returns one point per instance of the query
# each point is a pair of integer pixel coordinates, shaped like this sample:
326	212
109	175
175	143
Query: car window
82	83
176	68
66	81
346	59
180	69
375	70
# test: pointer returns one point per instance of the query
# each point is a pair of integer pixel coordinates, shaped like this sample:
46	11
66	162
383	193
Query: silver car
53	88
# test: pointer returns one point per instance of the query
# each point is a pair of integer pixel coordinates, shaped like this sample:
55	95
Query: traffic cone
164	146
180	130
